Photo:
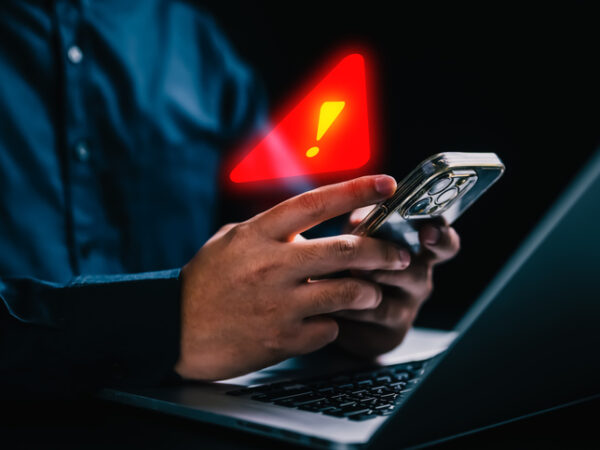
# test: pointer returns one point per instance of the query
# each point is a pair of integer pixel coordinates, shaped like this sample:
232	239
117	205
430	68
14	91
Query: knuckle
355	190
324	298
304	255
349	292
258	272
237	231
262	270
225	229
313	202
347	247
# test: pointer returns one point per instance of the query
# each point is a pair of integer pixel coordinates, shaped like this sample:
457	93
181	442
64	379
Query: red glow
288	149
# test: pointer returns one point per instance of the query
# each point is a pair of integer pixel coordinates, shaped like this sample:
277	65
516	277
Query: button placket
85	201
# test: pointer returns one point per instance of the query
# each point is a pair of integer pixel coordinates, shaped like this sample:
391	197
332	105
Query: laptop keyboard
355	395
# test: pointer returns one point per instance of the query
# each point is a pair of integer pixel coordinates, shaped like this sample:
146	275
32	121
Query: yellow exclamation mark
327	115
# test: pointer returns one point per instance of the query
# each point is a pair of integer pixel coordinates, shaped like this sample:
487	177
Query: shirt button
82	151
74	54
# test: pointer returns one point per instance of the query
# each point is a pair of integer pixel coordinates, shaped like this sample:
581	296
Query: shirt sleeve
94	332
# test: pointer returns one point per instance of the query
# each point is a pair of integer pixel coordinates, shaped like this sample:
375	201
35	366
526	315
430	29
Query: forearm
92	332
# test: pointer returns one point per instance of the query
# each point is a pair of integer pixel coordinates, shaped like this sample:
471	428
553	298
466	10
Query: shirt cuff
133	322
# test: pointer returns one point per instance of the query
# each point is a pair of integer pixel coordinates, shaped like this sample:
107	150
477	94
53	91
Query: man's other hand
378	330
251	296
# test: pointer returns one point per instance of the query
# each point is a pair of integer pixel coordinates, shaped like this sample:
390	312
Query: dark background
517	80
521	81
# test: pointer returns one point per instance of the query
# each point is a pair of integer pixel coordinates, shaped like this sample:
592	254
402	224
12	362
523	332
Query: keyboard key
383	406
346	403
384	412
379	387
317	406
358	409
307	399
359	392
380	391
326	408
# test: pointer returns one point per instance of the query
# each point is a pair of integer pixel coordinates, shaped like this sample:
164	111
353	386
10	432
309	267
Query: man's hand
372	332
248	299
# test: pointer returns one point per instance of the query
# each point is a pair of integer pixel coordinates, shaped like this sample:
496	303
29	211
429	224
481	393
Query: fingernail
404	256
385	185
431	235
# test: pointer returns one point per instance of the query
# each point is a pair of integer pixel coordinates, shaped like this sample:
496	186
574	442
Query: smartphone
441	187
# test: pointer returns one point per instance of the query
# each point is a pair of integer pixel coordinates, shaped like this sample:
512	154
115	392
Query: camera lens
439	185
447	196
419	207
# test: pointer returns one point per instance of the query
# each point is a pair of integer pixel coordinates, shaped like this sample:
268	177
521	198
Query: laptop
528	345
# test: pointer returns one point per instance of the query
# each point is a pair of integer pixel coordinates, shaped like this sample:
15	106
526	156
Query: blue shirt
114	116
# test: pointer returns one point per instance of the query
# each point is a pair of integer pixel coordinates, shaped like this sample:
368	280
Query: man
115	116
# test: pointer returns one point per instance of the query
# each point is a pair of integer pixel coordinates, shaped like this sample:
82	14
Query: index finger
306	210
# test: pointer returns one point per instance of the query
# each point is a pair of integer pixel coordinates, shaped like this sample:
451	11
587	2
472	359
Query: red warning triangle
326	132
